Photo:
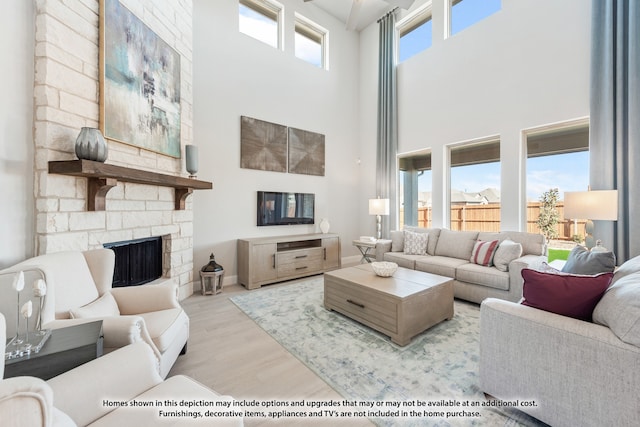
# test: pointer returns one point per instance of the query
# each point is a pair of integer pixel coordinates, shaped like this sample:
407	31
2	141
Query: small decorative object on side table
365	244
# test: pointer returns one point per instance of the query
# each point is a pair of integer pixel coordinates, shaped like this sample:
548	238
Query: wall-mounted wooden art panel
263	145
306	152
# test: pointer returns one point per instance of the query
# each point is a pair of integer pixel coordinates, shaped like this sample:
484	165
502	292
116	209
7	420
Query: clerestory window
261	19
311	42
415	32
465	13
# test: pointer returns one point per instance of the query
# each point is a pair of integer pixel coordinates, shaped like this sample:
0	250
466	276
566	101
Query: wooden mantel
103	177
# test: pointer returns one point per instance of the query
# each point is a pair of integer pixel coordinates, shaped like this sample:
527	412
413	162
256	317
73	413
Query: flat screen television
277	208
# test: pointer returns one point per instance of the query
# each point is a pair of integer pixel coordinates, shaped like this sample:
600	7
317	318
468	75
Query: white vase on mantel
324	225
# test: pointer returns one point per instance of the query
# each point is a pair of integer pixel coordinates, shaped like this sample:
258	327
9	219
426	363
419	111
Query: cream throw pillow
507	251
415	243
105	306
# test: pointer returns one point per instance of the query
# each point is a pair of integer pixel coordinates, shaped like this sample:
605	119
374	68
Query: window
475	186
414	33
261	19
415	190
465	13
557	158
311	42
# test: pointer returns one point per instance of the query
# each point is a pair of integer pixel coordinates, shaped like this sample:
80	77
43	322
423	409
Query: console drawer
291	263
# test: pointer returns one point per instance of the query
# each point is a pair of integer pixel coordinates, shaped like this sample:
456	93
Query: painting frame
139	73
263	145
306	152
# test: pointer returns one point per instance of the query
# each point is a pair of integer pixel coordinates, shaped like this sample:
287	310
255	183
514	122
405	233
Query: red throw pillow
566	294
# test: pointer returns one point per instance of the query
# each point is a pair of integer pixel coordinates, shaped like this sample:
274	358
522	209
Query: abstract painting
139	83
306	152
263	145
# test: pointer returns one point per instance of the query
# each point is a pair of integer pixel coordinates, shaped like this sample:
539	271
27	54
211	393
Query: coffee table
65	349
400	306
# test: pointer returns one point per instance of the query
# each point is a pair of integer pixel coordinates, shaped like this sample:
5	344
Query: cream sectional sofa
579	373
448	253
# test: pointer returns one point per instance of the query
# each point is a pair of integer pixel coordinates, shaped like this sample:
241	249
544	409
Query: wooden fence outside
487	218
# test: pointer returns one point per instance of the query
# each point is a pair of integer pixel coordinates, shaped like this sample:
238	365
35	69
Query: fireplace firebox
138	261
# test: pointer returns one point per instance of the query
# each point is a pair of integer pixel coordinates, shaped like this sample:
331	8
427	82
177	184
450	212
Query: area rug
439	366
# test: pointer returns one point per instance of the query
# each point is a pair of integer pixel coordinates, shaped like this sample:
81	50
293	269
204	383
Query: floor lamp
378	207
594	205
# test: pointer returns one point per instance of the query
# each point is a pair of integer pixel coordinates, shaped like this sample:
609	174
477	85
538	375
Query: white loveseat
448	253
79	286
93	394
579	373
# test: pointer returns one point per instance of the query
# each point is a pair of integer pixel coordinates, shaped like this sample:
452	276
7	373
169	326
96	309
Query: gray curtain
614	141
387	148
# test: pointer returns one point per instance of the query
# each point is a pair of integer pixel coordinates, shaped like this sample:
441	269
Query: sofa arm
515	272
146	298
126	373
25	401
530	354
382	246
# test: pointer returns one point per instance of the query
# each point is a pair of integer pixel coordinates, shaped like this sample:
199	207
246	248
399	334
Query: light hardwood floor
230	353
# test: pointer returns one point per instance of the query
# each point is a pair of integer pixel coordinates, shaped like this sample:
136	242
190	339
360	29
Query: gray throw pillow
583	261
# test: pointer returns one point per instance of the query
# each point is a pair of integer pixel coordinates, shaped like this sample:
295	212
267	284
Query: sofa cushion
397	240
483	252
507	251
619	309
532	243
433	233
583	261
565	294
105	306
481	275
443	266
629	267
406	261
415	243
456	244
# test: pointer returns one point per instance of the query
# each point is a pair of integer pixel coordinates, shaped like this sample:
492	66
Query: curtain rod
387	14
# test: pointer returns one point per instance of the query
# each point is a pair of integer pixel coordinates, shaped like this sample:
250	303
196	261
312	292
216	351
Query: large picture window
475	186
415	190
557	159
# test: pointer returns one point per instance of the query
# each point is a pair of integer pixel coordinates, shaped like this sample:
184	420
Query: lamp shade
378	206
594	205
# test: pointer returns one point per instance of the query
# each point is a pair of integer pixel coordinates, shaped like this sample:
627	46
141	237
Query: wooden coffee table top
402	284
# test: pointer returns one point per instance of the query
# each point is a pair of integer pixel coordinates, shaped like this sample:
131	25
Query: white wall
523	67
236	75
16	131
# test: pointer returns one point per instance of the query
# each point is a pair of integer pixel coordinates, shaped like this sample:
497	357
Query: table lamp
591	205
378	207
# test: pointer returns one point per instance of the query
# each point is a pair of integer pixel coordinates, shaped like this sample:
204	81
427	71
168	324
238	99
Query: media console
264	260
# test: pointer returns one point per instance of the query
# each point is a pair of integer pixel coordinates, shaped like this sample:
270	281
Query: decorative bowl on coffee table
384	268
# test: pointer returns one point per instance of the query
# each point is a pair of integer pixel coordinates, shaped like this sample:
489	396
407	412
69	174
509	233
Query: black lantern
211	277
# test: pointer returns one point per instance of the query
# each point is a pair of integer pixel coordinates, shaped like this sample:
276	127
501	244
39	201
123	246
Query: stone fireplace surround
66	99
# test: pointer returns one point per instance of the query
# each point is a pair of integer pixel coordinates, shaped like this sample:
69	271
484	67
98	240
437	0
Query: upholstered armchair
79	395
79	290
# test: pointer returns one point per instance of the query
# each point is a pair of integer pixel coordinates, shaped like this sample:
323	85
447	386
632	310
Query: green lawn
561	254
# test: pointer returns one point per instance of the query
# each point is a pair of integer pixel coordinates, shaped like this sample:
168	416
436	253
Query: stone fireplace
67	99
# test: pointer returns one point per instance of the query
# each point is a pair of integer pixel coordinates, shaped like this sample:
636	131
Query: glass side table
365	247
